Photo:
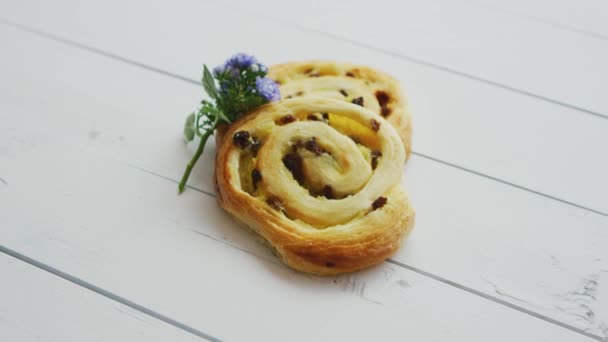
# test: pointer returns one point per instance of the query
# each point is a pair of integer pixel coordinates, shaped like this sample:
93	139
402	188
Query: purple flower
267	88
258	67
218	70
241	61
233	72
224	87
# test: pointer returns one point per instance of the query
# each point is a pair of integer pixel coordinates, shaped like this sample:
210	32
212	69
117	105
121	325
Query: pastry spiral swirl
319	180
358	84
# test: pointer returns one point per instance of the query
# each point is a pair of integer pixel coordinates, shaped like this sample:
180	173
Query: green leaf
209	83
224	117
217	112
189	128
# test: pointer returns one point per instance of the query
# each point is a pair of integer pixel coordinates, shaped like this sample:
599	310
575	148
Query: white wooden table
509	176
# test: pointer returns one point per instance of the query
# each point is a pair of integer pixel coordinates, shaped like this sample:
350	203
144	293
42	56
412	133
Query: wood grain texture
133	236
478	41
102	145
587	17
471	124
38	306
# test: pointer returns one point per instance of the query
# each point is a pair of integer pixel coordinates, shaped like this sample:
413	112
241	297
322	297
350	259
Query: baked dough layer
319	179
380	92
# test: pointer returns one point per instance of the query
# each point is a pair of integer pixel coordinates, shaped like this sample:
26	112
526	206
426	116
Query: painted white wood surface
141	246
117	114
586	17
558	64
468	204
38	306
462	121
109	120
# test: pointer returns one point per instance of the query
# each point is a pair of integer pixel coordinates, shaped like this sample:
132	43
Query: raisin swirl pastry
358	84
319	180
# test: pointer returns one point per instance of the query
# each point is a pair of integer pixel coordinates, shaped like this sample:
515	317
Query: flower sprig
243	86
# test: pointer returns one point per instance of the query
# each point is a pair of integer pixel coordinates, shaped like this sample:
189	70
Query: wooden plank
80	129
129	233
38	306
461	121
560	65
586	17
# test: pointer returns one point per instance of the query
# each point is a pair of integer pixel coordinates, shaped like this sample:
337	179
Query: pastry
353	83
318	178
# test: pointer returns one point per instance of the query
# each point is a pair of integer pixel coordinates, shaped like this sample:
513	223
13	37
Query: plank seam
520	187
496	300
415	270
537	20
192	81
411	268
418	61
112	296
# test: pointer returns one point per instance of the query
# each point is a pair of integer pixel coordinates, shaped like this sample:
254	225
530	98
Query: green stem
199	152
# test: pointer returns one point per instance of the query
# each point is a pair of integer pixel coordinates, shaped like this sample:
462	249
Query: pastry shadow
226	230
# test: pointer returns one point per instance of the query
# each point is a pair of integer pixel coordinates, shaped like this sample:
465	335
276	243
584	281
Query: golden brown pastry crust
381	92
310	232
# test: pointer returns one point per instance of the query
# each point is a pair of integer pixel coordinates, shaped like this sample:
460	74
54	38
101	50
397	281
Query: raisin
379	203
343	92
385	111
293	163
255	145
256	177
328	192
287	119
375	155
311	145
382	97
383	100
241	139
312	117
375	125
358	101
350	74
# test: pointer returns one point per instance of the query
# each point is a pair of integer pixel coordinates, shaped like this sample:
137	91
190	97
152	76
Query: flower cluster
240	64
267	88
237	63
243	86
